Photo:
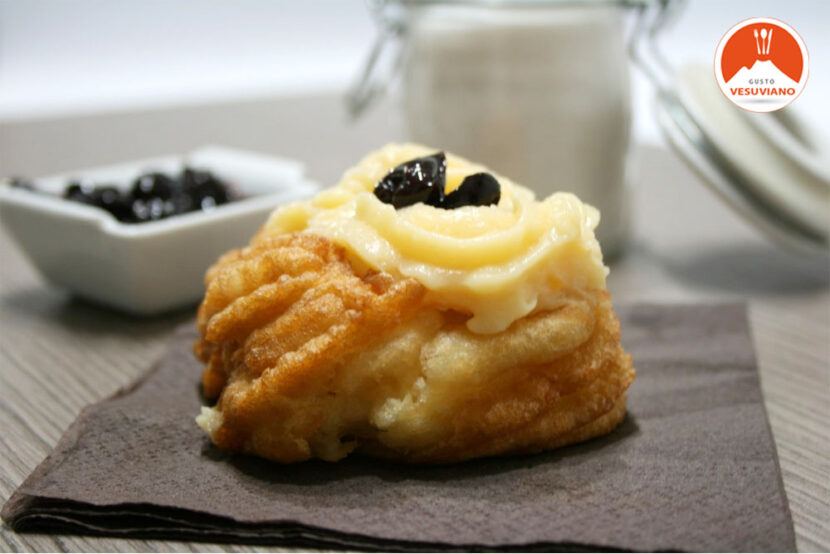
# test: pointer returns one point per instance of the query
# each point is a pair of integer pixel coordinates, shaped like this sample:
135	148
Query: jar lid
770	168
782	193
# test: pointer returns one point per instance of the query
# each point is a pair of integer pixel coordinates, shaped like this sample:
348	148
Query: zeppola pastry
424	309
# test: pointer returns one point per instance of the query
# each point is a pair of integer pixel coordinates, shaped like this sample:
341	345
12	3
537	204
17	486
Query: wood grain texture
59	354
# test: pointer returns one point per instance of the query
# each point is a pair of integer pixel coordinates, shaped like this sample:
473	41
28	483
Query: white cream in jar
541	92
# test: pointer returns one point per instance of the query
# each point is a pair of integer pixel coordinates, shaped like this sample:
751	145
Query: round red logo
761	64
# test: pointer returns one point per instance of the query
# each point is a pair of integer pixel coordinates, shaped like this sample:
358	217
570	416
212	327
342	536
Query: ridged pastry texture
308	357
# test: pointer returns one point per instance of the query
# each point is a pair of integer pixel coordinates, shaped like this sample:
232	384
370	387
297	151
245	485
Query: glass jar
538	91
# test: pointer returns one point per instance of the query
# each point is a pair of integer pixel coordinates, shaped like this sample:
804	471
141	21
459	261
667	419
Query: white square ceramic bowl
146	268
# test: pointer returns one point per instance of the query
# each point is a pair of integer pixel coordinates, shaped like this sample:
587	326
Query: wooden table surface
59	354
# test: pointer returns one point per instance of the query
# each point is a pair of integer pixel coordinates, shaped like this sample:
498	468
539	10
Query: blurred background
90	82
67	59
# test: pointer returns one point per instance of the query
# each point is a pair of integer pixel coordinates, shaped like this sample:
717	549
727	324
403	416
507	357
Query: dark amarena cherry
154	185
480	189
423	180
419	180
154	195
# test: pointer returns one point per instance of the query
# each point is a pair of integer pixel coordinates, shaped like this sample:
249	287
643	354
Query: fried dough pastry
313	360
315	351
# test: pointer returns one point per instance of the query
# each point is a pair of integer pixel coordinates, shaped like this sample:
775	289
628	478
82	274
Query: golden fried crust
309	359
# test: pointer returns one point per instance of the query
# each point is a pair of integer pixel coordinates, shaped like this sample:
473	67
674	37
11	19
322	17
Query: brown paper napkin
693	467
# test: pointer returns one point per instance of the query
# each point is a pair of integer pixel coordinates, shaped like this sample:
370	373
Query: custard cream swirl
497	263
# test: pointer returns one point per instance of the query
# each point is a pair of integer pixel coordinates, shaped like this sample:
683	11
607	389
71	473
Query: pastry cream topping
498	263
